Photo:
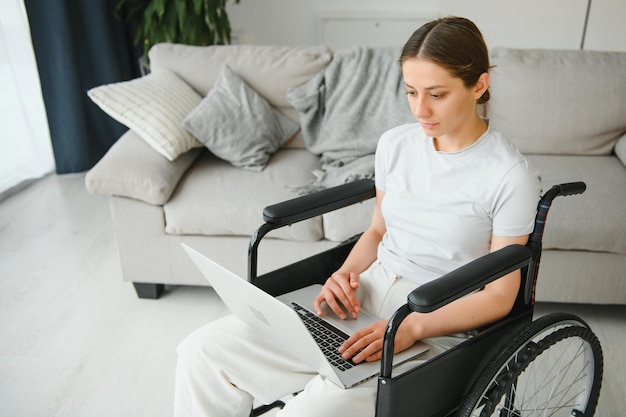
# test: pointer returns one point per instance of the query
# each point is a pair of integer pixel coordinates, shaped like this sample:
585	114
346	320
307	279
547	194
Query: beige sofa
566	110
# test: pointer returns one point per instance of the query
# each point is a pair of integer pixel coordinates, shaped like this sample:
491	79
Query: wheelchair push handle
570	188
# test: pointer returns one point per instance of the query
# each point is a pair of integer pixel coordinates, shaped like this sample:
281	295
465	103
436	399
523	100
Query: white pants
225	365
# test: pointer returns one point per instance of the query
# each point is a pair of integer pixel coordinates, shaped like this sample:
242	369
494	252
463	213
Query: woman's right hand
339	291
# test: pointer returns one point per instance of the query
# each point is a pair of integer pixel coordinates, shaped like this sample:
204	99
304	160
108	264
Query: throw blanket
345	108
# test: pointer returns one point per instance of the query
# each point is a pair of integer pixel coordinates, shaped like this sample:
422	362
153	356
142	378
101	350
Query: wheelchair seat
514	367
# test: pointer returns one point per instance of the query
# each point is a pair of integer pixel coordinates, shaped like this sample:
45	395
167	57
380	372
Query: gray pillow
238	125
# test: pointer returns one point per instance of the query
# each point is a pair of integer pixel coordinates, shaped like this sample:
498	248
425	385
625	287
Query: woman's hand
367	343
339	291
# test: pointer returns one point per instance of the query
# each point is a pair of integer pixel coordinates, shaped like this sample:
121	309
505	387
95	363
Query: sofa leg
147	290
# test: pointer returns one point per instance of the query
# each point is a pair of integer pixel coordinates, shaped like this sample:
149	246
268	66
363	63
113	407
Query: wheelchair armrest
468	278
451	286
311	205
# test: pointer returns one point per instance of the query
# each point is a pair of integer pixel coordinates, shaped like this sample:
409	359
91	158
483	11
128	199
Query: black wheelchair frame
484	375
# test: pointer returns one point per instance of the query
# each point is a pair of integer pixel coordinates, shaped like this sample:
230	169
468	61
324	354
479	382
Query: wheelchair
516	367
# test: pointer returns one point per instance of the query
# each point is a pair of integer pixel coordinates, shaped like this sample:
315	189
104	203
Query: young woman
449	190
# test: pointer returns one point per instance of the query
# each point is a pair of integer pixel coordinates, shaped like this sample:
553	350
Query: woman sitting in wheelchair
449	189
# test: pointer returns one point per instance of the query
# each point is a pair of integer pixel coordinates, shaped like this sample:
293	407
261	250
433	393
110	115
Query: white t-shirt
441	208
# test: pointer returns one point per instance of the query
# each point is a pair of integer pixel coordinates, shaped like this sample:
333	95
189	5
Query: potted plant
192	22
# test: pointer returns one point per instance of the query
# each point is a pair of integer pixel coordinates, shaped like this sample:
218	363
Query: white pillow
154	107
238	125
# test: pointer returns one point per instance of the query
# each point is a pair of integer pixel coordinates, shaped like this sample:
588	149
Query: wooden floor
75	340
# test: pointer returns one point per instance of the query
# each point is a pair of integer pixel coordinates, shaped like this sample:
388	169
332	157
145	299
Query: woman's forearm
365	250
363	253
492	303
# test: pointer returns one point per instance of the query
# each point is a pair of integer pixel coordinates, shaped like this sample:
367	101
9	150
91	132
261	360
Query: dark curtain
80	44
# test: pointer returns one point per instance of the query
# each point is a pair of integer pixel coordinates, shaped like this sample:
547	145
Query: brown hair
453	43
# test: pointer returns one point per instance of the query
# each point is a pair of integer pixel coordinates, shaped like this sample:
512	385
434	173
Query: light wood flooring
76	341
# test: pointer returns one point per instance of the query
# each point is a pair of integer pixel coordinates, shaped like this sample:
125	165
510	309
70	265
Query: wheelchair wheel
552	368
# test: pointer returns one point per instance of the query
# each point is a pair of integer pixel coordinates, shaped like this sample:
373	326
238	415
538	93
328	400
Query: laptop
282	319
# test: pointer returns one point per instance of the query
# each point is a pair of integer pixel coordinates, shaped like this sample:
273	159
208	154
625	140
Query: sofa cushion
340	225
153	106
215	198
238	125
269	70
591	221
131	168
559	102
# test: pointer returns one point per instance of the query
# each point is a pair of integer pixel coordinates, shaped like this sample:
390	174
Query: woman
449	190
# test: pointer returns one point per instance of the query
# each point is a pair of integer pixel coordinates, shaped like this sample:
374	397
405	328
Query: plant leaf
194	22
159	6
170	23
197	6
181	12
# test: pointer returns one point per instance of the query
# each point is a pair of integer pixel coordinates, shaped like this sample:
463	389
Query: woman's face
441	103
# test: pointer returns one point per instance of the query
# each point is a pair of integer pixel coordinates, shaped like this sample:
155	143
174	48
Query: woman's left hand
367	343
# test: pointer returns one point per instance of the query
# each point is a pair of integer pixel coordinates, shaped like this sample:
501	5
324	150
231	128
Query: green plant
192	22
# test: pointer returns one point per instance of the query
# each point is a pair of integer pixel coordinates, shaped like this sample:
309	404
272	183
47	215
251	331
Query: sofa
218	133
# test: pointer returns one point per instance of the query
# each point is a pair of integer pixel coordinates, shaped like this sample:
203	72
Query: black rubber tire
507	386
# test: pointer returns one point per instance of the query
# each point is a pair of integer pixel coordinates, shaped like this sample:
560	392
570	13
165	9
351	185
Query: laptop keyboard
327	337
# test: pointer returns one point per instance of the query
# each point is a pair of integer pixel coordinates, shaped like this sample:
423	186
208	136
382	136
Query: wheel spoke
536	385
550	371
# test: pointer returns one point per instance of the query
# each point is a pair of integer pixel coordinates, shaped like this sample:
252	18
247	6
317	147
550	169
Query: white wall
606	29
512	23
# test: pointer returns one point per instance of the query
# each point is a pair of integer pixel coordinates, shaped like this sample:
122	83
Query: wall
512	23
606	29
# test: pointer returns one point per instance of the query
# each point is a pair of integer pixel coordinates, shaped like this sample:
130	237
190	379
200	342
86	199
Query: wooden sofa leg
147	290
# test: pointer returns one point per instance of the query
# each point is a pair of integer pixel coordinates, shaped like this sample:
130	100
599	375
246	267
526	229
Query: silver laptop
282	320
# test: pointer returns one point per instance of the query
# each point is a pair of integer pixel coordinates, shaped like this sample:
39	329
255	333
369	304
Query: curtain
80	44
25	149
